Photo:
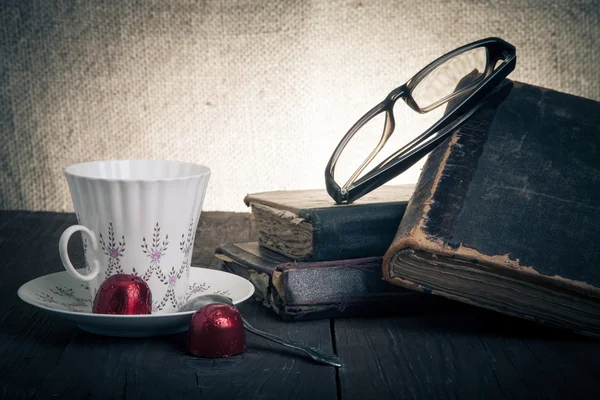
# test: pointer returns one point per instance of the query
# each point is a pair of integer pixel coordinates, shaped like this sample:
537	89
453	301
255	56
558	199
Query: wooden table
462	354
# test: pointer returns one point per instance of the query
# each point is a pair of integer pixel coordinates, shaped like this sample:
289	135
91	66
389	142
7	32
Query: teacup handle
64	255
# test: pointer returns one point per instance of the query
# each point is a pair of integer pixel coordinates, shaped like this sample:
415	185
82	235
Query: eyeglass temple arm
366	184
421	148
418	148
437	128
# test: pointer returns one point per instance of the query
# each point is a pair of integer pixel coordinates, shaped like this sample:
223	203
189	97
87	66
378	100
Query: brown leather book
326	289
506	213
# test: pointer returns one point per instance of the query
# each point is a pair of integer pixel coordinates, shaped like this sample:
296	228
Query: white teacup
137	217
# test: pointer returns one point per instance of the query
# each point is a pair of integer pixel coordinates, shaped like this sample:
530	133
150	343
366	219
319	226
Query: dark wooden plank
465	353
28	249
97	367
43	356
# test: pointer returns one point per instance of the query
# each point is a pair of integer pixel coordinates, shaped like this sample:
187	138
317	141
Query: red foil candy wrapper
216	330
123	294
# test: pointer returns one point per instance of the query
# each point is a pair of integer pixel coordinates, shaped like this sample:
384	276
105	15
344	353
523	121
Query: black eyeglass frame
497	50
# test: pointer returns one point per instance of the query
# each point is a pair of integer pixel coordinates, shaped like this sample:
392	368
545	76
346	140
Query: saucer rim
32	301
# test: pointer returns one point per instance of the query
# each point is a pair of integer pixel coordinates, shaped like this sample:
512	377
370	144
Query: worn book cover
313	290
506	213
307	225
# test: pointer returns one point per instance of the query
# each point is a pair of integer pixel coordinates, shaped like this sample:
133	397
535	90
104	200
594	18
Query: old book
506	213
306	225
313	290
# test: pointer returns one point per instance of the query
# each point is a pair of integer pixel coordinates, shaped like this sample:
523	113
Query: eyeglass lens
438	86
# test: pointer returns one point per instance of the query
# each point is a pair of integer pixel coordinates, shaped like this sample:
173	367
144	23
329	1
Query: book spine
322	284
341	233
431	213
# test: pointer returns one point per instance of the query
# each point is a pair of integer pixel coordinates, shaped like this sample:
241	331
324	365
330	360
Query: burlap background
261	92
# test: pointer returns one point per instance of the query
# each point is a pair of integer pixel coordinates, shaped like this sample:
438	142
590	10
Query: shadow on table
457	318
257	349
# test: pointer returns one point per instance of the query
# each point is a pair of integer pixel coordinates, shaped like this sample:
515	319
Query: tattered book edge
280	213
418	241
292	224
262	281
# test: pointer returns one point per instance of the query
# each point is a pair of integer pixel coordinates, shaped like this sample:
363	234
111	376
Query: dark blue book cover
506	213
307	225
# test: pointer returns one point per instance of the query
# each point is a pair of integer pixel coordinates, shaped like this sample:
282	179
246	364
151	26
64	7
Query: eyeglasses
462	78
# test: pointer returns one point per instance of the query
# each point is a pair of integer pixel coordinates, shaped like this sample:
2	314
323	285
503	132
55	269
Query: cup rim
70	171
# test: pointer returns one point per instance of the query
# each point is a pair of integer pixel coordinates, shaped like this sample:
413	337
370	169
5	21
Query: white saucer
63	295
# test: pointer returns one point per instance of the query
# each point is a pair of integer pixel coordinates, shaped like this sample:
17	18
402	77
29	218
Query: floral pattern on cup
114	250
186	246
154	250
187	243
85	247
170	279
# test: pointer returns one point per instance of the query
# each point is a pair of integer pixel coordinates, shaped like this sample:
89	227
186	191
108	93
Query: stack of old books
505	216
314	259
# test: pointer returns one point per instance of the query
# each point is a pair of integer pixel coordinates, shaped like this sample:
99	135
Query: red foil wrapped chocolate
123	294
216	330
